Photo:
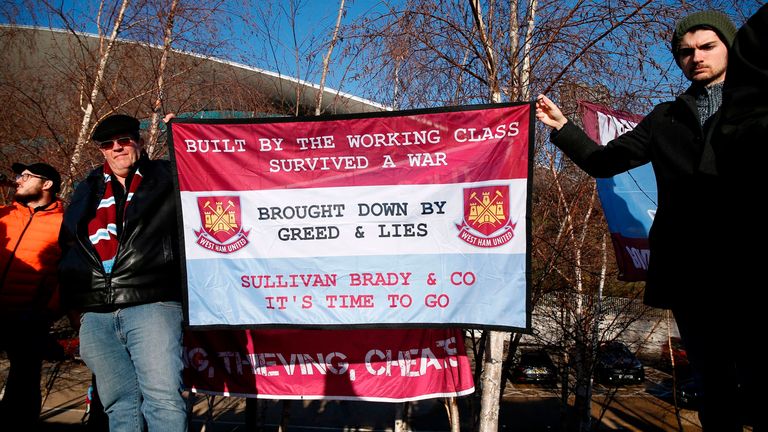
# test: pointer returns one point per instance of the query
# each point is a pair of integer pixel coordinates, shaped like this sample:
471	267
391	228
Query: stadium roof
57	43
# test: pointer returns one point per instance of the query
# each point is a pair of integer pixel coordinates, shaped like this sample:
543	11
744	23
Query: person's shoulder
54	207
96	173
663	108
58	207
6	210
93	176
156	167
164	163
87	186
157	172
13	206
665	105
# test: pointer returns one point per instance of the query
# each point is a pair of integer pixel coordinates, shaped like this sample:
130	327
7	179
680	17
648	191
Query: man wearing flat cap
675	138
120	269
29	252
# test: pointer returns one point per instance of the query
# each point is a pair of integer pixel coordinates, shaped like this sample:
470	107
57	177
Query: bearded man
29	252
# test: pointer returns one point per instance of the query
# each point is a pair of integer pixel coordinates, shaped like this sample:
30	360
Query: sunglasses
122	142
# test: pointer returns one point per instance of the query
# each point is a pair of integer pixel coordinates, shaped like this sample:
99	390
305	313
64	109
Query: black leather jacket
146	267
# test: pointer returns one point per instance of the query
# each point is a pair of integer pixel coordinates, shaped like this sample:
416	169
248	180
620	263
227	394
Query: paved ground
532	408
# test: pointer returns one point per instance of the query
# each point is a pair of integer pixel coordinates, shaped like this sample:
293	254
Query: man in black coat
120	268
686	237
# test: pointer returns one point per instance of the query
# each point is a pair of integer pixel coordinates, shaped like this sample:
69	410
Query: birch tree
327	59
85	127
157	104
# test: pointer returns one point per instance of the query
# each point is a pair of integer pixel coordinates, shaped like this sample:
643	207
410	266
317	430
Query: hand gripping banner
629	199
399	219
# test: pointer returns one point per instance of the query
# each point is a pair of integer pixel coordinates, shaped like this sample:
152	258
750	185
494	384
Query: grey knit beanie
718	21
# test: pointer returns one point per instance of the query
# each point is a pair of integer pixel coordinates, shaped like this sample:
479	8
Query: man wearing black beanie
686	237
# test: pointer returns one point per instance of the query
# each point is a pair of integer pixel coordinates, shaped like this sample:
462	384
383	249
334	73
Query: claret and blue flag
396	219
629	199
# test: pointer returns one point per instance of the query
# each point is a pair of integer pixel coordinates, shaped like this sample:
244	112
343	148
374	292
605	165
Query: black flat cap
114	125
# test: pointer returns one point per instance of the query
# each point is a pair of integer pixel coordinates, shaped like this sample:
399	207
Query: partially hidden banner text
628	199
374	365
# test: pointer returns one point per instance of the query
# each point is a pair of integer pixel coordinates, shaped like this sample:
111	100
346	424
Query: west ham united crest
222	230
486	220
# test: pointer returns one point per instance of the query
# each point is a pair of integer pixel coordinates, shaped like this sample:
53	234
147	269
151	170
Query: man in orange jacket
29	254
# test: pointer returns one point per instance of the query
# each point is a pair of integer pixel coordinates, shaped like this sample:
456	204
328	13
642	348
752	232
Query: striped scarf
102	229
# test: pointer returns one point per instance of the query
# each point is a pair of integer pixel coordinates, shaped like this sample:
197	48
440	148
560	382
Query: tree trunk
506	369
401	417
167	39
525	69
584	348
489	61
512	51
452	406
327	60
85	128
285	416
490	380
491	383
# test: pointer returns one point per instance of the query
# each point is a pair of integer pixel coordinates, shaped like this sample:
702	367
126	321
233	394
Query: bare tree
89	76
327	59
167	39
293	40
84	134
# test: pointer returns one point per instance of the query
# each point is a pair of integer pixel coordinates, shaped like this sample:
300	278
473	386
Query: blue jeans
135	354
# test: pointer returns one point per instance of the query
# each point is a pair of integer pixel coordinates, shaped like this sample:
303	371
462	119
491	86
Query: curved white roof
279	88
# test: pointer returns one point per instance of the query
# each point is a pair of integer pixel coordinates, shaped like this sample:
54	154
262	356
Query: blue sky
245	32
317	19
246	29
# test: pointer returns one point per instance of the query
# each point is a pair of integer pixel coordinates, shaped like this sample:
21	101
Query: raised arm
621	154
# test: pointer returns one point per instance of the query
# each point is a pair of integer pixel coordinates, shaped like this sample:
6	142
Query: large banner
414	218
629	199
373	365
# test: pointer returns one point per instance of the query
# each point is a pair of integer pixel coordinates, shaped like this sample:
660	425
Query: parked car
534	366
688	393
678	354
616	364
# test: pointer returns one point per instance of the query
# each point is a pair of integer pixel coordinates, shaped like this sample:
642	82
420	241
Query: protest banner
373	365
628	199
414	218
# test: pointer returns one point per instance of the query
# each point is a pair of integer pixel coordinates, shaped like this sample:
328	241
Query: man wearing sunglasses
29	252
120	267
